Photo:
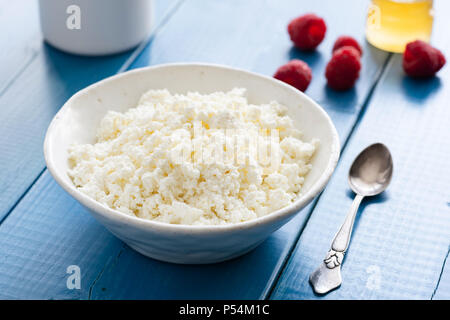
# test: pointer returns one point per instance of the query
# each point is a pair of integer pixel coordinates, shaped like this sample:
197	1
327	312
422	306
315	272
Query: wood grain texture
402	237
257	41
18	49
442	291
33	263
28	104
47	230
42	239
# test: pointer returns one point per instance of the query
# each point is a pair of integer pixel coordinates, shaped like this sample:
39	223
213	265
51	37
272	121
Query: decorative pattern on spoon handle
334	259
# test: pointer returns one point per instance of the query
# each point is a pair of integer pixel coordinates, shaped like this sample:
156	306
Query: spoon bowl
371	172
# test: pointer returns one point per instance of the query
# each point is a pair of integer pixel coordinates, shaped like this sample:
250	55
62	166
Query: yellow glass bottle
391	24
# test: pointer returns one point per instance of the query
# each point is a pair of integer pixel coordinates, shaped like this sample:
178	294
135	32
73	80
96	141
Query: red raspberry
296	73
307	31
347	41
343	68
421	59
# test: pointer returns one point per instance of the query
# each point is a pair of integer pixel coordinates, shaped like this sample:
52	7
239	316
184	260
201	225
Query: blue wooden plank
442	291
261	49
20	48
28	105
33	264
402	237
202	38
36	251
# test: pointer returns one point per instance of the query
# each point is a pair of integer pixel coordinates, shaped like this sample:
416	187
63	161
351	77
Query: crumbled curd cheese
163	159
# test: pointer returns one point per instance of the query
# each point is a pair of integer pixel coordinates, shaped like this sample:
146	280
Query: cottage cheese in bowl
194	159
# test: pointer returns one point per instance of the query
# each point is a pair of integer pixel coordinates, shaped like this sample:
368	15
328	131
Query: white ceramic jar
95	27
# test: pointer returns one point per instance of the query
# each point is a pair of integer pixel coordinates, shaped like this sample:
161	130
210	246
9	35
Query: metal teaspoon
370	174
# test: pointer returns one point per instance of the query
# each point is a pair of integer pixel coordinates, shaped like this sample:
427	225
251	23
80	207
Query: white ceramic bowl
79	118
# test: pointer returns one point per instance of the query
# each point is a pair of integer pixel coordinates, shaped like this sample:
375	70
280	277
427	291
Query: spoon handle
328	276
342	238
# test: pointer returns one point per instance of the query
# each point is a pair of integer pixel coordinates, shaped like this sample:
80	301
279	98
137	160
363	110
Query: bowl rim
140	223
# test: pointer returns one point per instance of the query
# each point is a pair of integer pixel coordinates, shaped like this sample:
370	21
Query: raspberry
421	59
296	73
347	41
343	68
307	31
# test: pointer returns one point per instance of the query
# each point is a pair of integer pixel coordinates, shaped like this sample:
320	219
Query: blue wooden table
401	241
